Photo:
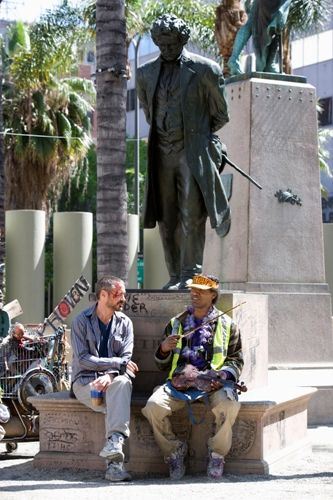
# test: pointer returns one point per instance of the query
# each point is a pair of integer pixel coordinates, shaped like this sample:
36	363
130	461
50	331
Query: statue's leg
167	166
272	57
193	216
240	41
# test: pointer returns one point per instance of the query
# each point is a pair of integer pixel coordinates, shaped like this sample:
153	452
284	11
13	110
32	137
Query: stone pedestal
276	247
271	426
151	311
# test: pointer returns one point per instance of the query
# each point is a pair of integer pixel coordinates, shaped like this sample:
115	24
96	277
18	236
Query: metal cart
29	369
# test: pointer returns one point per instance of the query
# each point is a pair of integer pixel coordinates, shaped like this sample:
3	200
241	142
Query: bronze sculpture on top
265	24
230	17
183	98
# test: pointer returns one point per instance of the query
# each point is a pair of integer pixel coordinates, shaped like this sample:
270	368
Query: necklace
195	350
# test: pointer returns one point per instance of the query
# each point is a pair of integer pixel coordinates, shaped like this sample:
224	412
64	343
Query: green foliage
50	111
305	15
323	136
130	172
18	38
199	14
79	193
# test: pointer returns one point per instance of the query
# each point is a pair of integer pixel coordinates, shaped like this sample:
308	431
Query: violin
189	376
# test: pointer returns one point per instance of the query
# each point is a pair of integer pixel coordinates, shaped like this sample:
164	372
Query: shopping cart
30	369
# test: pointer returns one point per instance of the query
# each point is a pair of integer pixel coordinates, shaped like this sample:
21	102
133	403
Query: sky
27	10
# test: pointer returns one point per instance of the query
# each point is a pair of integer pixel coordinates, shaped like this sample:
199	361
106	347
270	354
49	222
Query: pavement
308	476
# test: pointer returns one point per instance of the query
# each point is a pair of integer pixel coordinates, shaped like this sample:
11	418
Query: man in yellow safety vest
199	341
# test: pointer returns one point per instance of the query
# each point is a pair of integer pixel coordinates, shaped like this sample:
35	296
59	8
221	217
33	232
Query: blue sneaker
176	462
215	467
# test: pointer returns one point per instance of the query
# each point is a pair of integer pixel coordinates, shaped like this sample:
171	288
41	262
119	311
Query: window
325	115
91	56
330	217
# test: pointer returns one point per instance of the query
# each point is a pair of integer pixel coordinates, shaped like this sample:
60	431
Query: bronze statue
265	24
230	16
183	98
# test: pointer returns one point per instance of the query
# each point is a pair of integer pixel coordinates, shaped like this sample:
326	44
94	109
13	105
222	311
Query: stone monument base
316	375
271	426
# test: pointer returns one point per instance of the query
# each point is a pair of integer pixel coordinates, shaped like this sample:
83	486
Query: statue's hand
234	67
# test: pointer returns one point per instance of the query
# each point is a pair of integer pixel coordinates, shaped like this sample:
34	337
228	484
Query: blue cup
97	397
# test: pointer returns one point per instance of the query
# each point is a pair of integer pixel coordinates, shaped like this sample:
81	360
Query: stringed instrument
189	376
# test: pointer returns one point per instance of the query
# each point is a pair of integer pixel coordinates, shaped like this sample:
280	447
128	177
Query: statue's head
170	34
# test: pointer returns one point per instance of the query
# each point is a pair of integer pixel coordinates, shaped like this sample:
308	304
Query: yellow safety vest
220	343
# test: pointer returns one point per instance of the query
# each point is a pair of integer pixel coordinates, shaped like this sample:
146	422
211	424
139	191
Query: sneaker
114	448
215	465
116	472
176	462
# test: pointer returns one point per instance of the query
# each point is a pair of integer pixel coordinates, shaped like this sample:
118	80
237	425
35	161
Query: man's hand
216	384
169	343
102	382
132	368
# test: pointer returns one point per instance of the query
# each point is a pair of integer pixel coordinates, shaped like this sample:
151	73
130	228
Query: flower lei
197	343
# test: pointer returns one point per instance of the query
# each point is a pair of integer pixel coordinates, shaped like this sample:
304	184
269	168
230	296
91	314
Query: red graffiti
64	309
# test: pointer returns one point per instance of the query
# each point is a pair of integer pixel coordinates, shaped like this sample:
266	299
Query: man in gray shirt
102	343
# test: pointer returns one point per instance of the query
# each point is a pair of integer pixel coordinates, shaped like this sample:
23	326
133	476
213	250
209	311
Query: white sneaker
116	472
114	448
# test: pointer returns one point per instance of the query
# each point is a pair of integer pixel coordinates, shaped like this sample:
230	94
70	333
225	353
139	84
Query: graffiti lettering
67	303
134	305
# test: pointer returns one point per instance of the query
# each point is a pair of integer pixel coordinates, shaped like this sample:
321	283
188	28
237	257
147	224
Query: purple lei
197	344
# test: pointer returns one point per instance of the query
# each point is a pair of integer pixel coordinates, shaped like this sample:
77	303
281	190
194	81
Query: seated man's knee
229	406
151	409
121	381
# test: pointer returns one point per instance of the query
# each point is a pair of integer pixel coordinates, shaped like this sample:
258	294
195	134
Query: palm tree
111	74
45	116
2	190
304	16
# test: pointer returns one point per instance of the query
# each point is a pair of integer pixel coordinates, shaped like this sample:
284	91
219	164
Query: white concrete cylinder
72	255
155	272
133	244
25	262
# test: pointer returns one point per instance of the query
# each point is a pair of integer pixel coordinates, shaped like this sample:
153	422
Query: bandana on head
203	282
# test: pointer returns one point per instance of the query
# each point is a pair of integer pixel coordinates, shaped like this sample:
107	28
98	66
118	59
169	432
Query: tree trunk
286	62
2	188
111	210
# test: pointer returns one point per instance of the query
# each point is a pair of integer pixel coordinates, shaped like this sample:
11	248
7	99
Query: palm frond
308	14
81	85
64	129
18	38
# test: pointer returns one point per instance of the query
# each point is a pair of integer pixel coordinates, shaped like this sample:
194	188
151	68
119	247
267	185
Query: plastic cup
96	397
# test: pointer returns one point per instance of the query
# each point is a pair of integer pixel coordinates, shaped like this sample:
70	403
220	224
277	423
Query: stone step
271	426
316	375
